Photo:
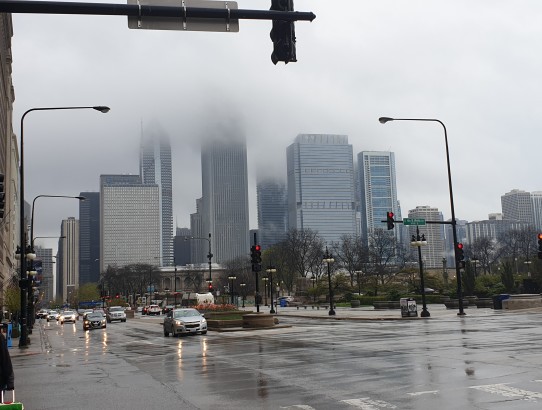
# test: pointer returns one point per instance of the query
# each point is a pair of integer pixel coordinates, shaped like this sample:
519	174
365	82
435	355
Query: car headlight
86	322
179	322
203	320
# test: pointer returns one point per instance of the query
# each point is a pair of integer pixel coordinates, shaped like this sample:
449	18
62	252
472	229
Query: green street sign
413	221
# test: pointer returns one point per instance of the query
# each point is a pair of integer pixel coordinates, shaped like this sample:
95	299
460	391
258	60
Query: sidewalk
37	345
369	313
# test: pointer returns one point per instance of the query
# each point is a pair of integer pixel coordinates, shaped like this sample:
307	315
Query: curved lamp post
23	339
384	120
328	258
243	292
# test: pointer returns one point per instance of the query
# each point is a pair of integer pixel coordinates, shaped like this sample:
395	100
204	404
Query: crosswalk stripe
419	393
507	391
366	403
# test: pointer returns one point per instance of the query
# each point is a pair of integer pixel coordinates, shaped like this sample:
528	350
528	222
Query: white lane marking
367	403
508	391
419	393
298	406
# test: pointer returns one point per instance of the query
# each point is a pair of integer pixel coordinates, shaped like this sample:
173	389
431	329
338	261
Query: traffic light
390	221
540	246
117	296
256	258
283	34
2	196
210	288
460	255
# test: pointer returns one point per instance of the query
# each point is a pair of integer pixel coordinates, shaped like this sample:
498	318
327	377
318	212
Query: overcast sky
475	65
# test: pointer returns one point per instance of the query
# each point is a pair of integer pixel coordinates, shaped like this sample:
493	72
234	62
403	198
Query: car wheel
61	323
123	320
204	332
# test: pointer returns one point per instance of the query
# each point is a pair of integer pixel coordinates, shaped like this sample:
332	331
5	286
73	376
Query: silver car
184	321
68	316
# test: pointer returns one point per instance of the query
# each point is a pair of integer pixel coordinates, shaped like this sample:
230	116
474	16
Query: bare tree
351	254
382	257
485	251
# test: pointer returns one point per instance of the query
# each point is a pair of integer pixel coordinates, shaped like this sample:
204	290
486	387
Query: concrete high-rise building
68	259
129	221
272	200
378	191
517	206
225	198
321	192
433	253
492	229
89	238
155	168
536	201
197	251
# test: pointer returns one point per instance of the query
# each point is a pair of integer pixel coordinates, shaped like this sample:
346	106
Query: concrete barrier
255	320
522	301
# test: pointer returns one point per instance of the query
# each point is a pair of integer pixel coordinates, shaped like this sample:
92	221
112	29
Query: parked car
184	321
68	316
94	320
53	315
154	310
115	313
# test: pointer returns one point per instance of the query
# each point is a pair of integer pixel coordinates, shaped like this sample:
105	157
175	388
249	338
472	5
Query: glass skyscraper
321	195
155	168
272	212
378	191
89	238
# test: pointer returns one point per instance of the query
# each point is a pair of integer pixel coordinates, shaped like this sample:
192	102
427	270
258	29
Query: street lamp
313	280
328	258
232	278
384	120
528	263
265	280
209	255
420	241
270	270
243	292
23	339
475	262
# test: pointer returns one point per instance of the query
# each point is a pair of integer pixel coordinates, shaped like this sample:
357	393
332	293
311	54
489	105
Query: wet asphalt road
487	362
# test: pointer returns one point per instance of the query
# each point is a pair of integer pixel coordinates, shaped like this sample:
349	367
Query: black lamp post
243	292
231	278
328	258
209	256
23	339
420	241
175	284
265	280
475	261
270	270
313	279
384	120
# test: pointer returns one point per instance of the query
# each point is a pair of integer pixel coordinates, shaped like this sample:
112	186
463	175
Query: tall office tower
197	251
320	173
46	287
225	197
434	234
536	201
517	206
182	246
491	228
129	221
272	203
155	168
68	259
378	191
89	238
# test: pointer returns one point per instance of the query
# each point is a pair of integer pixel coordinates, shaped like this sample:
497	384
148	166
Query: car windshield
94	316
68	313
116	309
185	313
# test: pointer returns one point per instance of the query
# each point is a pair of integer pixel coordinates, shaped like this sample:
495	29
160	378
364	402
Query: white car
53	315
115	313
68	316
154	310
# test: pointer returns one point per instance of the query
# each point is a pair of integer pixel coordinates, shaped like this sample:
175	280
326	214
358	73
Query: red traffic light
390	215
540	236
459	246
257	248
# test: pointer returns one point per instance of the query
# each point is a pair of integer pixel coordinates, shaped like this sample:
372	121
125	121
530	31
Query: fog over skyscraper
155	168
225	195
272	211
321	185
